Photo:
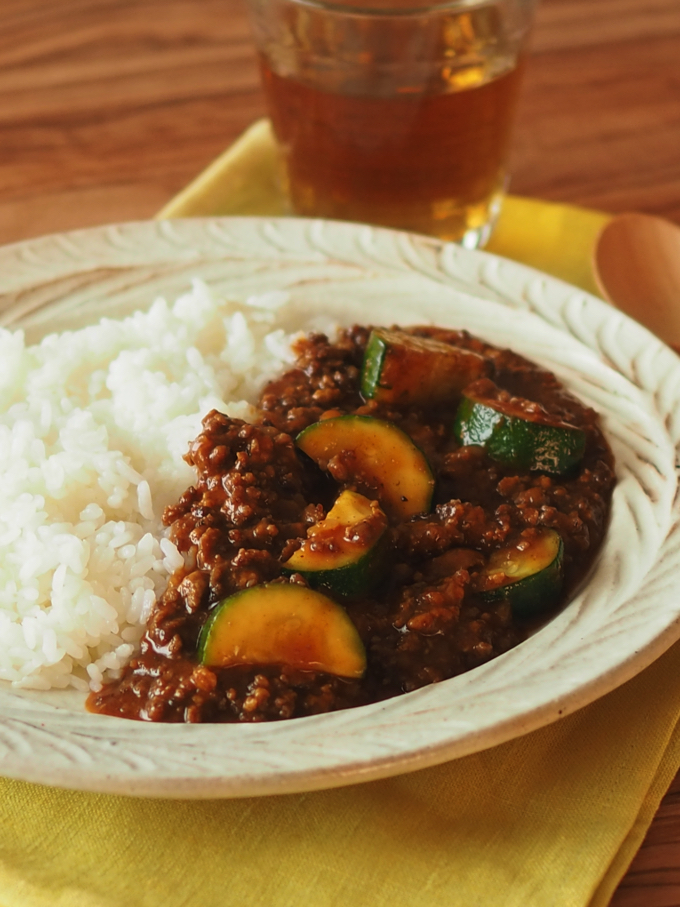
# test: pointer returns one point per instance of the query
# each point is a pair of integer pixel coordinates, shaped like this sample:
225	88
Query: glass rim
390	8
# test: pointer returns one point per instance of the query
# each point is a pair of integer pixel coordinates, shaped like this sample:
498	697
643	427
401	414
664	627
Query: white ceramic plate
626	615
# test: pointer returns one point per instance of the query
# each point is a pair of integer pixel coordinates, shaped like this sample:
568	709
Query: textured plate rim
52	261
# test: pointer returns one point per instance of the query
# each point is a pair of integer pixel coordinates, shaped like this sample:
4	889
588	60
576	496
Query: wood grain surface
108	107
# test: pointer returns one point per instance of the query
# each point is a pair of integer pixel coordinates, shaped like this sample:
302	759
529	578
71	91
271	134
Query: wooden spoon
637	268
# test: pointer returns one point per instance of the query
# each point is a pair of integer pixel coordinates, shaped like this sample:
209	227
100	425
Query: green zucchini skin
379	460
537	591
373	364
352	580
328	561
286	624
526	443
401	368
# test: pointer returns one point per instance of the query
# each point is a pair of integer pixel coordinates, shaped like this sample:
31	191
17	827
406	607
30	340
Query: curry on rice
408	504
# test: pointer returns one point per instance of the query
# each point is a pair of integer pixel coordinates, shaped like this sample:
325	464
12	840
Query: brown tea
428	162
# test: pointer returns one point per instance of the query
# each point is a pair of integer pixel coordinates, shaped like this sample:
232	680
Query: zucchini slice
374	456
529	576
401	368
518	433
282	624
344	553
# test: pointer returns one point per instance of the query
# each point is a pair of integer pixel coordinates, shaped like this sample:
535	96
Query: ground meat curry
408	504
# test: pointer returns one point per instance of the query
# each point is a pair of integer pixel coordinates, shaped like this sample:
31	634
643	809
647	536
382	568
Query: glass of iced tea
394	112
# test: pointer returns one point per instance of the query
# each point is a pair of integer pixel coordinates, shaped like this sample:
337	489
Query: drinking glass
394	112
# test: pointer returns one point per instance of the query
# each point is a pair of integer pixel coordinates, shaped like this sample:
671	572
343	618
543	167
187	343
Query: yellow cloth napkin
552	818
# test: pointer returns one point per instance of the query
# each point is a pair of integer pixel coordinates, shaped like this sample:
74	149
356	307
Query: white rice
93	427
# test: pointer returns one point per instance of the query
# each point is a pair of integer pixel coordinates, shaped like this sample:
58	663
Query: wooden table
108	107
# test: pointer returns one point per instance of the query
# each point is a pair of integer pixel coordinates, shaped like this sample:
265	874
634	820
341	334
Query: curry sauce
436	612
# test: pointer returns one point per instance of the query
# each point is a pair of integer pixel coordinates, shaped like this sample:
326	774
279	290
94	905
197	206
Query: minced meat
255	497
